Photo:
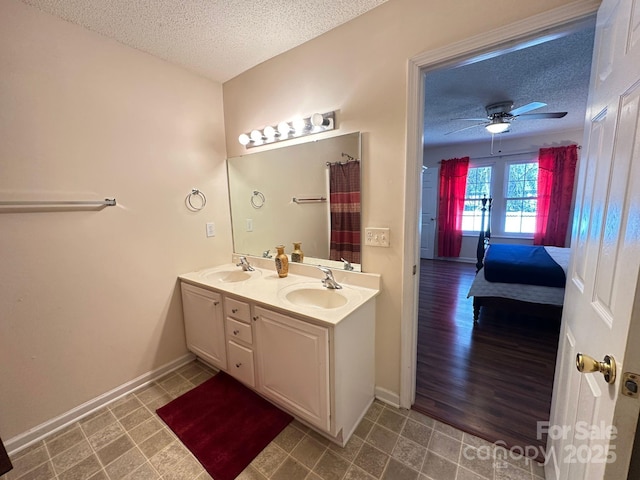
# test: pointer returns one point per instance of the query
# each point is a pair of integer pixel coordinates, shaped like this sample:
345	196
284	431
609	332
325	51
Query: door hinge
415	269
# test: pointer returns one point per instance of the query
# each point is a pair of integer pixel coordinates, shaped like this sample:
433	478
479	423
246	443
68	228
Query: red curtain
556	174
344	208
453	183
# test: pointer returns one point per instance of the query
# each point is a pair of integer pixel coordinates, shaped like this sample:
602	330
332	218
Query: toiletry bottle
297	255
282	262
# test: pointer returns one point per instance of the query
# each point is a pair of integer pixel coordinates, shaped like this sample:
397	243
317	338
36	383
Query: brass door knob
587	364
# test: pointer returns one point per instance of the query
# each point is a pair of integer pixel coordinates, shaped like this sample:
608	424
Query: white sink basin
230	276
311	297
316	296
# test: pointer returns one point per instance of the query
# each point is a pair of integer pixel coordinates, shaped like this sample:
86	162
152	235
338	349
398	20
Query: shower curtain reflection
344	196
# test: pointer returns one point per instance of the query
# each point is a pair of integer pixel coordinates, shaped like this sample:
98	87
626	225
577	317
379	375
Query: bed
519	278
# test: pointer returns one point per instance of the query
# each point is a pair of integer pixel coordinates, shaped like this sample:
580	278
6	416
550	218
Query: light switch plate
376	237
211	229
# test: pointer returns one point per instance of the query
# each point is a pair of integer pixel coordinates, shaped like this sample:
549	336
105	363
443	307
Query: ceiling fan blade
466	128
527	108
534	116
472	119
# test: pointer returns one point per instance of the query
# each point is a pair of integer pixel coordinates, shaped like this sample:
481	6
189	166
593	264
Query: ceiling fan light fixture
497	126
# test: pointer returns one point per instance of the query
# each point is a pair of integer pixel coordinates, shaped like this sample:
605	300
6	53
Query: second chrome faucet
329	281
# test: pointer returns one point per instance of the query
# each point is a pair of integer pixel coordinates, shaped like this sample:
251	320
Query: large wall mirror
282	196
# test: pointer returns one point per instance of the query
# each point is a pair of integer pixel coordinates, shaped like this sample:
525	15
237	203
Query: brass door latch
630	386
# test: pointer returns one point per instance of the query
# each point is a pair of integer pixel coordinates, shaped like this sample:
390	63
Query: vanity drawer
237	309
241	363
240	331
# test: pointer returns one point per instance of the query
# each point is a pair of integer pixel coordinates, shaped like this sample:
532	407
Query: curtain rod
349	159
500	155
508	154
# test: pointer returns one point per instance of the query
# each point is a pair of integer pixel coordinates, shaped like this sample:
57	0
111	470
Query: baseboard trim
388	397
23	440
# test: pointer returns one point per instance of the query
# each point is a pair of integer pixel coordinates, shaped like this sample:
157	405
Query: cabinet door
204	324
293	365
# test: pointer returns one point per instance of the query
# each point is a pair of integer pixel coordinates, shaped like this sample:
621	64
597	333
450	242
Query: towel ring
200	203
257	199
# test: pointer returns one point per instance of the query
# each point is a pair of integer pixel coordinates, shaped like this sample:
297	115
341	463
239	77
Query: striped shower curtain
344	207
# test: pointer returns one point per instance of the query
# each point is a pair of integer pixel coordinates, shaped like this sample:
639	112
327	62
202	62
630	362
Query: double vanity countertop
301	292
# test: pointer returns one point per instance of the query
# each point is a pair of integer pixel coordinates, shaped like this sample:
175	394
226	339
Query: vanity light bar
299	127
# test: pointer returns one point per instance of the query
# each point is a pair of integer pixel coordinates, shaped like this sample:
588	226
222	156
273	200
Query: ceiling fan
501	114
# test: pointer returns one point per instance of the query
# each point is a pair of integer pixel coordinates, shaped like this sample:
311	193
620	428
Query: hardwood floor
493	380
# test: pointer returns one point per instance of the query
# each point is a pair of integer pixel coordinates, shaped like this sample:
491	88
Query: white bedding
526	293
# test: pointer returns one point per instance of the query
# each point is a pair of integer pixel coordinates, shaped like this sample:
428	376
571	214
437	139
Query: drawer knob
235	332
216	303
234	310
238	365
255	318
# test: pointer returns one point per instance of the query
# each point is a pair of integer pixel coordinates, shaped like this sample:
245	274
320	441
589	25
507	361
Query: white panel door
429	212
592	423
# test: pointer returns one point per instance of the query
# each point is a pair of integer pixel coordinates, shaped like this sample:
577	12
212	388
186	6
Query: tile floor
127	440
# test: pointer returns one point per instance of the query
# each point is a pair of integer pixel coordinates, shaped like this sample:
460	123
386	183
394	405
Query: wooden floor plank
493	380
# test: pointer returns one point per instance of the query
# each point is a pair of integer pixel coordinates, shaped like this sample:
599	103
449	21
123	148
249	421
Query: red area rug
224	424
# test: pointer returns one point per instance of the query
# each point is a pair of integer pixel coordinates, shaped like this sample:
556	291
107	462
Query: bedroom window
478	186
521	197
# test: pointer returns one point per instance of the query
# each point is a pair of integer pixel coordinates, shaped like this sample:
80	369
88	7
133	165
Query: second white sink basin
313	297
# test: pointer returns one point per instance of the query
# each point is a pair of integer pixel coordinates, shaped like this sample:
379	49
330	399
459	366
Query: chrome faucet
244	263
328	281
265	254
347	265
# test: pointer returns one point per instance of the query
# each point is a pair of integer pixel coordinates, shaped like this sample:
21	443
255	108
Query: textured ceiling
555	72
223	38
216	38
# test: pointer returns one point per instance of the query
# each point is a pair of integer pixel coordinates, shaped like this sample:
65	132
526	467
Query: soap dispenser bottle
282	262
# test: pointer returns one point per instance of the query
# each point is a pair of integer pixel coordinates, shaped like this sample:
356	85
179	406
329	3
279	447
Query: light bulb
299	124
256	135
317	120
284	128
498	127
269	132
244	139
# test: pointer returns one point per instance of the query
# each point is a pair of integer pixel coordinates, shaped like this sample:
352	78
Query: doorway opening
493	380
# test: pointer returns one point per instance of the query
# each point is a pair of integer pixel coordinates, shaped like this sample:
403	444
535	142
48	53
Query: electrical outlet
211	229
376	237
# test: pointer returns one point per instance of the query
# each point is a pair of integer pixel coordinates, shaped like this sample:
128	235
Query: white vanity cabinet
293	365
204	324
318	364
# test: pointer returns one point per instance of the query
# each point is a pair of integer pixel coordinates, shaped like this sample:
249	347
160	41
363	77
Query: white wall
360	70
481	151
88	299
